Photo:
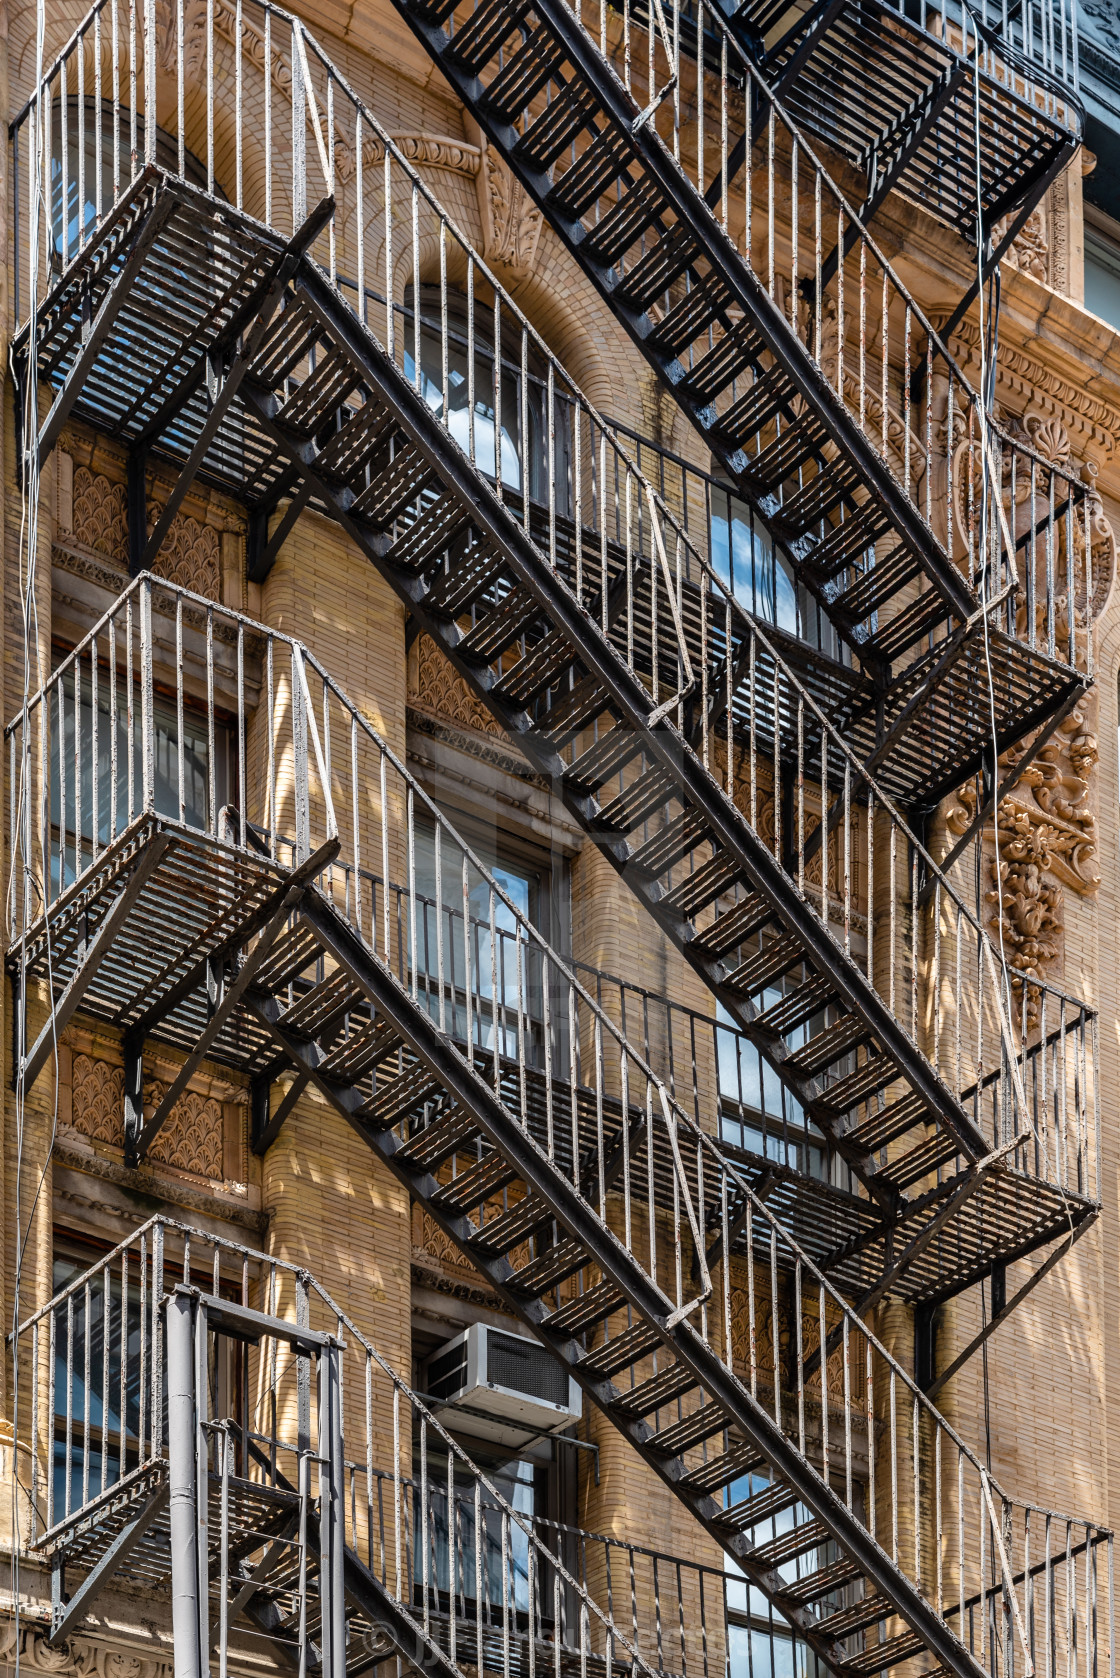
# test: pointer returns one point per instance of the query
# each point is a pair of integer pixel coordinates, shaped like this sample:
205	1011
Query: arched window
473	395
81	146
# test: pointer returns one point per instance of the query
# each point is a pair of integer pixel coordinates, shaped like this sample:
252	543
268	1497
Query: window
506	973
74	165
760	1643
517	1483
757	1112
743	556
1102	267
186	781
80	1346
524	391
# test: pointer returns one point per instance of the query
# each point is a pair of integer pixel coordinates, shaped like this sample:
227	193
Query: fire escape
768	804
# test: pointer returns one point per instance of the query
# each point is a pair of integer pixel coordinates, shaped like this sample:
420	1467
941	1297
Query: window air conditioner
503	1386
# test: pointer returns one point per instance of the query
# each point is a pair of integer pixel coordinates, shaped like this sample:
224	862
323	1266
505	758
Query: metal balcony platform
178	902
138	375
902	104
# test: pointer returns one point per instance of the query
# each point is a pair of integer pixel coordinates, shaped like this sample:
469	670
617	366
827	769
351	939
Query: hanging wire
23	861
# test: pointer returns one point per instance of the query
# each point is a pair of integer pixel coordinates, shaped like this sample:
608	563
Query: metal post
332	1515
181	1477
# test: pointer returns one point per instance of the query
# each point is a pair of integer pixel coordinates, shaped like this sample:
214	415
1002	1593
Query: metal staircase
519	1118
696	749
625	707
268	1504
756	294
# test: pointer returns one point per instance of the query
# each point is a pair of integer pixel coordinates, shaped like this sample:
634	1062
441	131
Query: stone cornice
1087	415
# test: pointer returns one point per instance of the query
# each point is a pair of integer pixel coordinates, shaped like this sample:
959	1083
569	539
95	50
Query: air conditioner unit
502	1386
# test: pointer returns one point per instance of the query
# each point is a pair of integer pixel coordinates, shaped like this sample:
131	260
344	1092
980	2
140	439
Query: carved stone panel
1042	843
191	1140
191	554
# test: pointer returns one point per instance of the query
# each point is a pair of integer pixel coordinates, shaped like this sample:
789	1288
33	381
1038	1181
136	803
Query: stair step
660	1389
795	447
826	1047
461	585
909	627
872	586
690	1431
290	957
565	116
345	455
648	793
575	710
766	965
622	1351
711	880
546	664
396	487
871	1076
797	1006
517	1224
742	1457
922	1161
524	75
611	752
788	1546
319	396
428	1147
501	626
469	1188
624	224
764	1505
672	842
733	927
736	353
311	1014
819	496
798	1593
549	1269
886	1127
395	1101
491	24
582	1313
882	1657
706	299
845	543
654	272
598	166
868	1611
770	394
350	1060
423	545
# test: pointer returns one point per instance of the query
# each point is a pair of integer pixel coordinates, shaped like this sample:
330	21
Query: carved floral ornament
76	1658
1078	567
1042	842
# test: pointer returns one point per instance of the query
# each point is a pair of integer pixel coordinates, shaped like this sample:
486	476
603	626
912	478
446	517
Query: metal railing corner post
182	1483
332	1514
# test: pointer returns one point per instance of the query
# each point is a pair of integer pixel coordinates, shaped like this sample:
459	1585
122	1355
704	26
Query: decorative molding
1043	840
1030	249
1023	379
191	554
511	222
434	684
76	1658
227	1204
225	25
192	1140
473	745
424	151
